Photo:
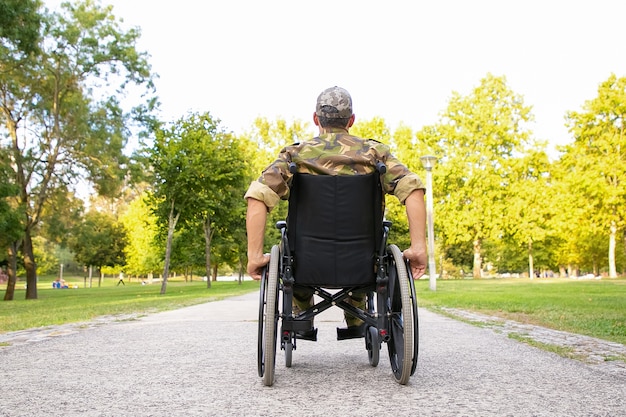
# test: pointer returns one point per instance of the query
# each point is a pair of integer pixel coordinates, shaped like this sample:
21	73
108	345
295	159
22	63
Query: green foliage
62	213
375	128
477	143
143	254
200	176
11	216
266	139
99	241
20	22
595	171
45	252
68	94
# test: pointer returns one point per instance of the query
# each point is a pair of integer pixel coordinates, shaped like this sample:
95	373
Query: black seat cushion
334	229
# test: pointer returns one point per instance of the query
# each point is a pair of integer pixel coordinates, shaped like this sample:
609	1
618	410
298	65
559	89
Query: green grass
564	351
58	306
594	308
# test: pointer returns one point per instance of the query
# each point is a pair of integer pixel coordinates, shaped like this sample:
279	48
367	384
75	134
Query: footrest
351	332
297	325
310	334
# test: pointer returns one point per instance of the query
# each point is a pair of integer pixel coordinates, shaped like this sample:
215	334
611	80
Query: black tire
270	319
261	323
288	353
415	322
401	322
372	344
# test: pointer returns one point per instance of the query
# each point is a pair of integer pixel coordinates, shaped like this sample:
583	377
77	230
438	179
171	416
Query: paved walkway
601	354
201	361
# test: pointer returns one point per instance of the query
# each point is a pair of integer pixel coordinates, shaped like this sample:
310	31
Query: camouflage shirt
335	153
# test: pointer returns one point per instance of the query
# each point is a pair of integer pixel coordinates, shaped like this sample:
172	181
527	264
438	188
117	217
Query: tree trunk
173	219
531	266
477	271
612	267
11	273
208	234
30	266
214	272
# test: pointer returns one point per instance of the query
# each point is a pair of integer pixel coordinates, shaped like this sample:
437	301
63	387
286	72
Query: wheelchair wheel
288	353
372	344
268	320
401	322
372	340
415	322
261	323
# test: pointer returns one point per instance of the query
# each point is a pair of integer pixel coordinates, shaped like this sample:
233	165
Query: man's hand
418	258
255	266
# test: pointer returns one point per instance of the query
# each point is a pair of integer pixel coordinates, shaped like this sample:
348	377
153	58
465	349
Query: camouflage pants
303	299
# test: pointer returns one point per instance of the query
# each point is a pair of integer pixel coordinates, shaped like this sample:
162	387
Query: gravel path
201	361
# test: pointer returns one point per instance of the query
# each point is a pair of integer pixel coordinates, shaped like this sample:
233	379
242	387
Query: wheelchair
334	242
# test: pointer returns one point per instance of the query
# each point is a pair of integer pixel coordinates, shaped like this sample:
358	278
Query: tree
199	178
374	128
99	241
143	255
20	22
261	146
476	142
529	208
10	226
61	109
596	165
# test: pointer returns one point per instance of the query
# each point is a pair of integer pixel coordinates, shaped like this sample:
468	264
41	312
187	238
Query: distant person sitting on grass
59	283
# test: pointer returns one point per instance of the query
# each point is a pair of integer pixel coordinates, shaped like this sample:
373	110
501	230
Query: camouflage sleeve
262	193
407	185
273	184
398	180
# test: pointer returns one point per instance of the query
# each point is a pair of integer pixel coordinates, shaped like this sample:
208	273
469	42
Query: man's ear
315	119
351	121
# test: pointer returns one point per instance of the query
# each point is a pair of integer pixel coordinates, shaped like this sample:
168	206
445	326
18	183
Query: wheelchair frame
390	314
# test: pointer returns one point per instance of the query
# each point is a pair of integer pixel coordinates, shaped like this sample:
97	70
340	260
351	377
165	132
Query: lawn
58	306
595	308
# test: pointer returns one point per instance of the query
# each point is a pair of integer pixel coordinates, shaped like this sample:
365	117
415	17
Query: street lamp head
428	161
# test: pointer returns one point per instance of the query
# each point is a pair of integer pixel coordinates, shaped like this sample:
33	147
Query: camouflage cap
334	103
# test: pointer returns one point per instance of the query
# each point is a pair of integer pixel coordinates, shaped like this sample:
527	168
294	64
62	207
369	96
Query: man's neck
327	130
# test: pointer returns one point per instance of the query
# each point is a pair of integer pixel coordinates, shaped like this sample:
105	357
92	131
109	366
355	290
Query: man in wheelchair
334	152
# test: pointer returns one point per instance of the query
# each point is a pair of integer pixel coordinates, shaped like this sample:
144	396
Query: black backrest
334	228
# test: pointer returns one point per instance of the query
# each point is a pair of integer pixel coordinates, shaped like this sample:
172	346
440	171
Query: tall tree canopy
20	22
595	165
100	240
199	178
62	110
143	254
476	141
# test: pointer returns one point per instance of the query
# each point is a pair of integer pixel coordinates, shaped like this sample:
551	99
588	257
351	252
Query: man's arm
256	217
416	214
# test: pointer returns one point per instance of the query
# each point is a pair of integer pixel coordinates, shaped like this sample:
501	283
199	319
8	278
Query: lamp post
429	162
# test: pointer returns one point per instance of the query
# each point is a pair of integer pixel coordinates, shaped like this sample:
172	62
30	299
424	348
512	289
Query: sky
400	60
